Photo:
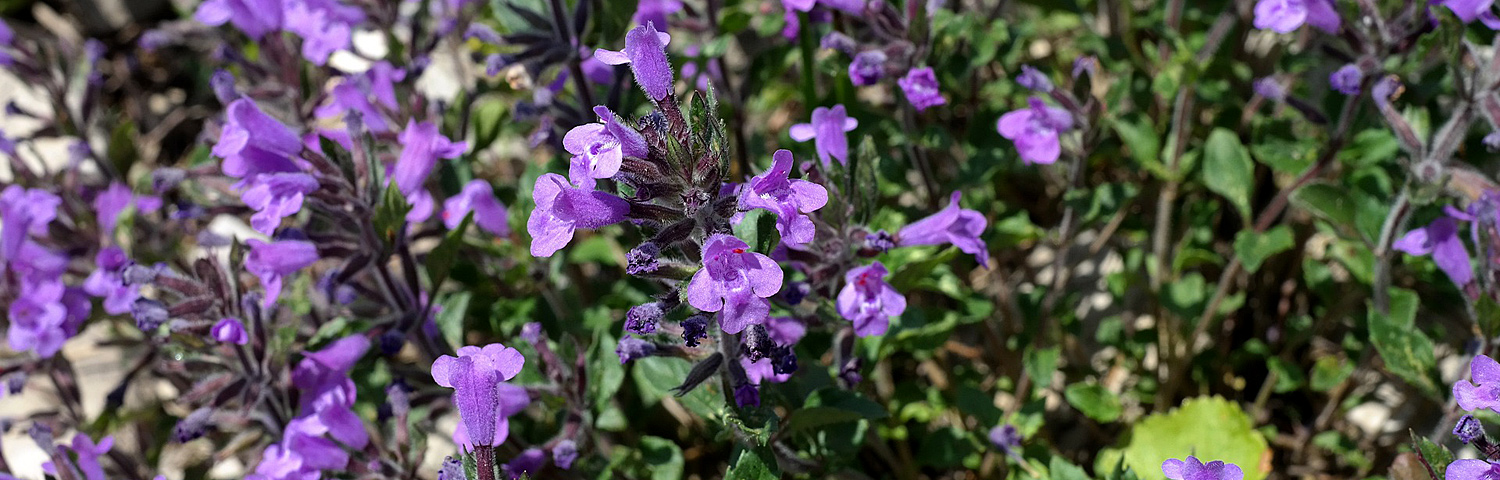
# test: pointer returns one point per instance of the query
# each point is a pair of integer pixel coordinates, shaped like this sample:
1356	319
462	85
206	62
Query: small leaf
663	457
442	257
1144	144
1436	455
1061	469
753	465
1329	372
390	214
1203	424
1407	351
759	230
1254	248
1041	364
1093	400
1228	170
450	320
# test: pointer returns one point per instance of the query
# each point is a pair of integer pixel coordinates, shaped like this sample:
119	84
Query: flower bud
149	314
1468	429
642	259
193	426
564	453
695	328
631	348
642	319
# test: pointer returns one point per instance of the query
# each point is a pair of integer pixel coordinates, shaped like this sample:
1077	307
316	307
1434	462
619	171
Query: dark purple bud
757	342
867	68
391	342
193	426
1346	79
230	330
532	333
783	360
631	348
641	319
138	275
564	453
700	372
1034	80
745	395
13	384
149	314
838	41
42	435
453	469
695	328
795	292
1468	429
250	305
223	84
880	241
849	373
528	463
642	259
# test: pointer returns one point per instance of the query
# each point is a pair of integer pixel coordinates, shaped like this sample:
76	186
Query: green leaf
1093	400
1289	376
1206	425
753	466
1041	364
908	274
390	215
1436	455
488	116
841	399
1061	469
1327	201
1141	138
812	418
1254	248
450	320
1329	372
759	230
663	456
440	260
1407	351
1228	170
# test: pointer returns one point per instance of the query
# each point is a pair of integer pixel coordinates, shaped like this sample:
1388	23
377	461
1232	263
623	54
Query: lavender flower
827	131
327	399
88	454
110	204
655	12
1270	88
477	197
1346	79
1472	469
561	208
280	463
835	40
107	281
1470	10
275	196
646	52
230	330
1484	392
921	88
564	453
252	143
422	145
1035	131
1034	80
254	17
43	316
642	319
630	349
1006	437
1284	16
746	395
527	464
1468	429
868	301
694	329
604	145
952	224
789	199
1440	239
273	261
734	280
324	25
484	400
24	212
1193	469
867	68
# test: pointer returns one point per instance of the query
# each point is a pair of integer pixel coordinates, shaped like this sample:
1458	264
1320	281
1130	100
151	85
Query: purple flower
835	40
734	280
1034	80
275	196
254	17
789	199
958	226
921	88
42	317
422	145
564	453
1346	79
107	282
230	330
327	399
1470	10
1440	239
562	208
642	319
631	349
1035	131
306	436
1472	469
484	401
324	25
1284	16
528	463
1270	88
1484	391
271	261
827	131
110	204
868	301
280	463
746	395
477	197
603	145
24	212
646	52
867	68
655	12
88	456
252	143
1193	469
694	329
1006	437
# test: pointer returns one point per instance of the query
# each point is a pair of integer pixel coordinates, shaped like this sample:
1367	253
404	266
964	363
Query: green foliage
1406	350
1182	432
